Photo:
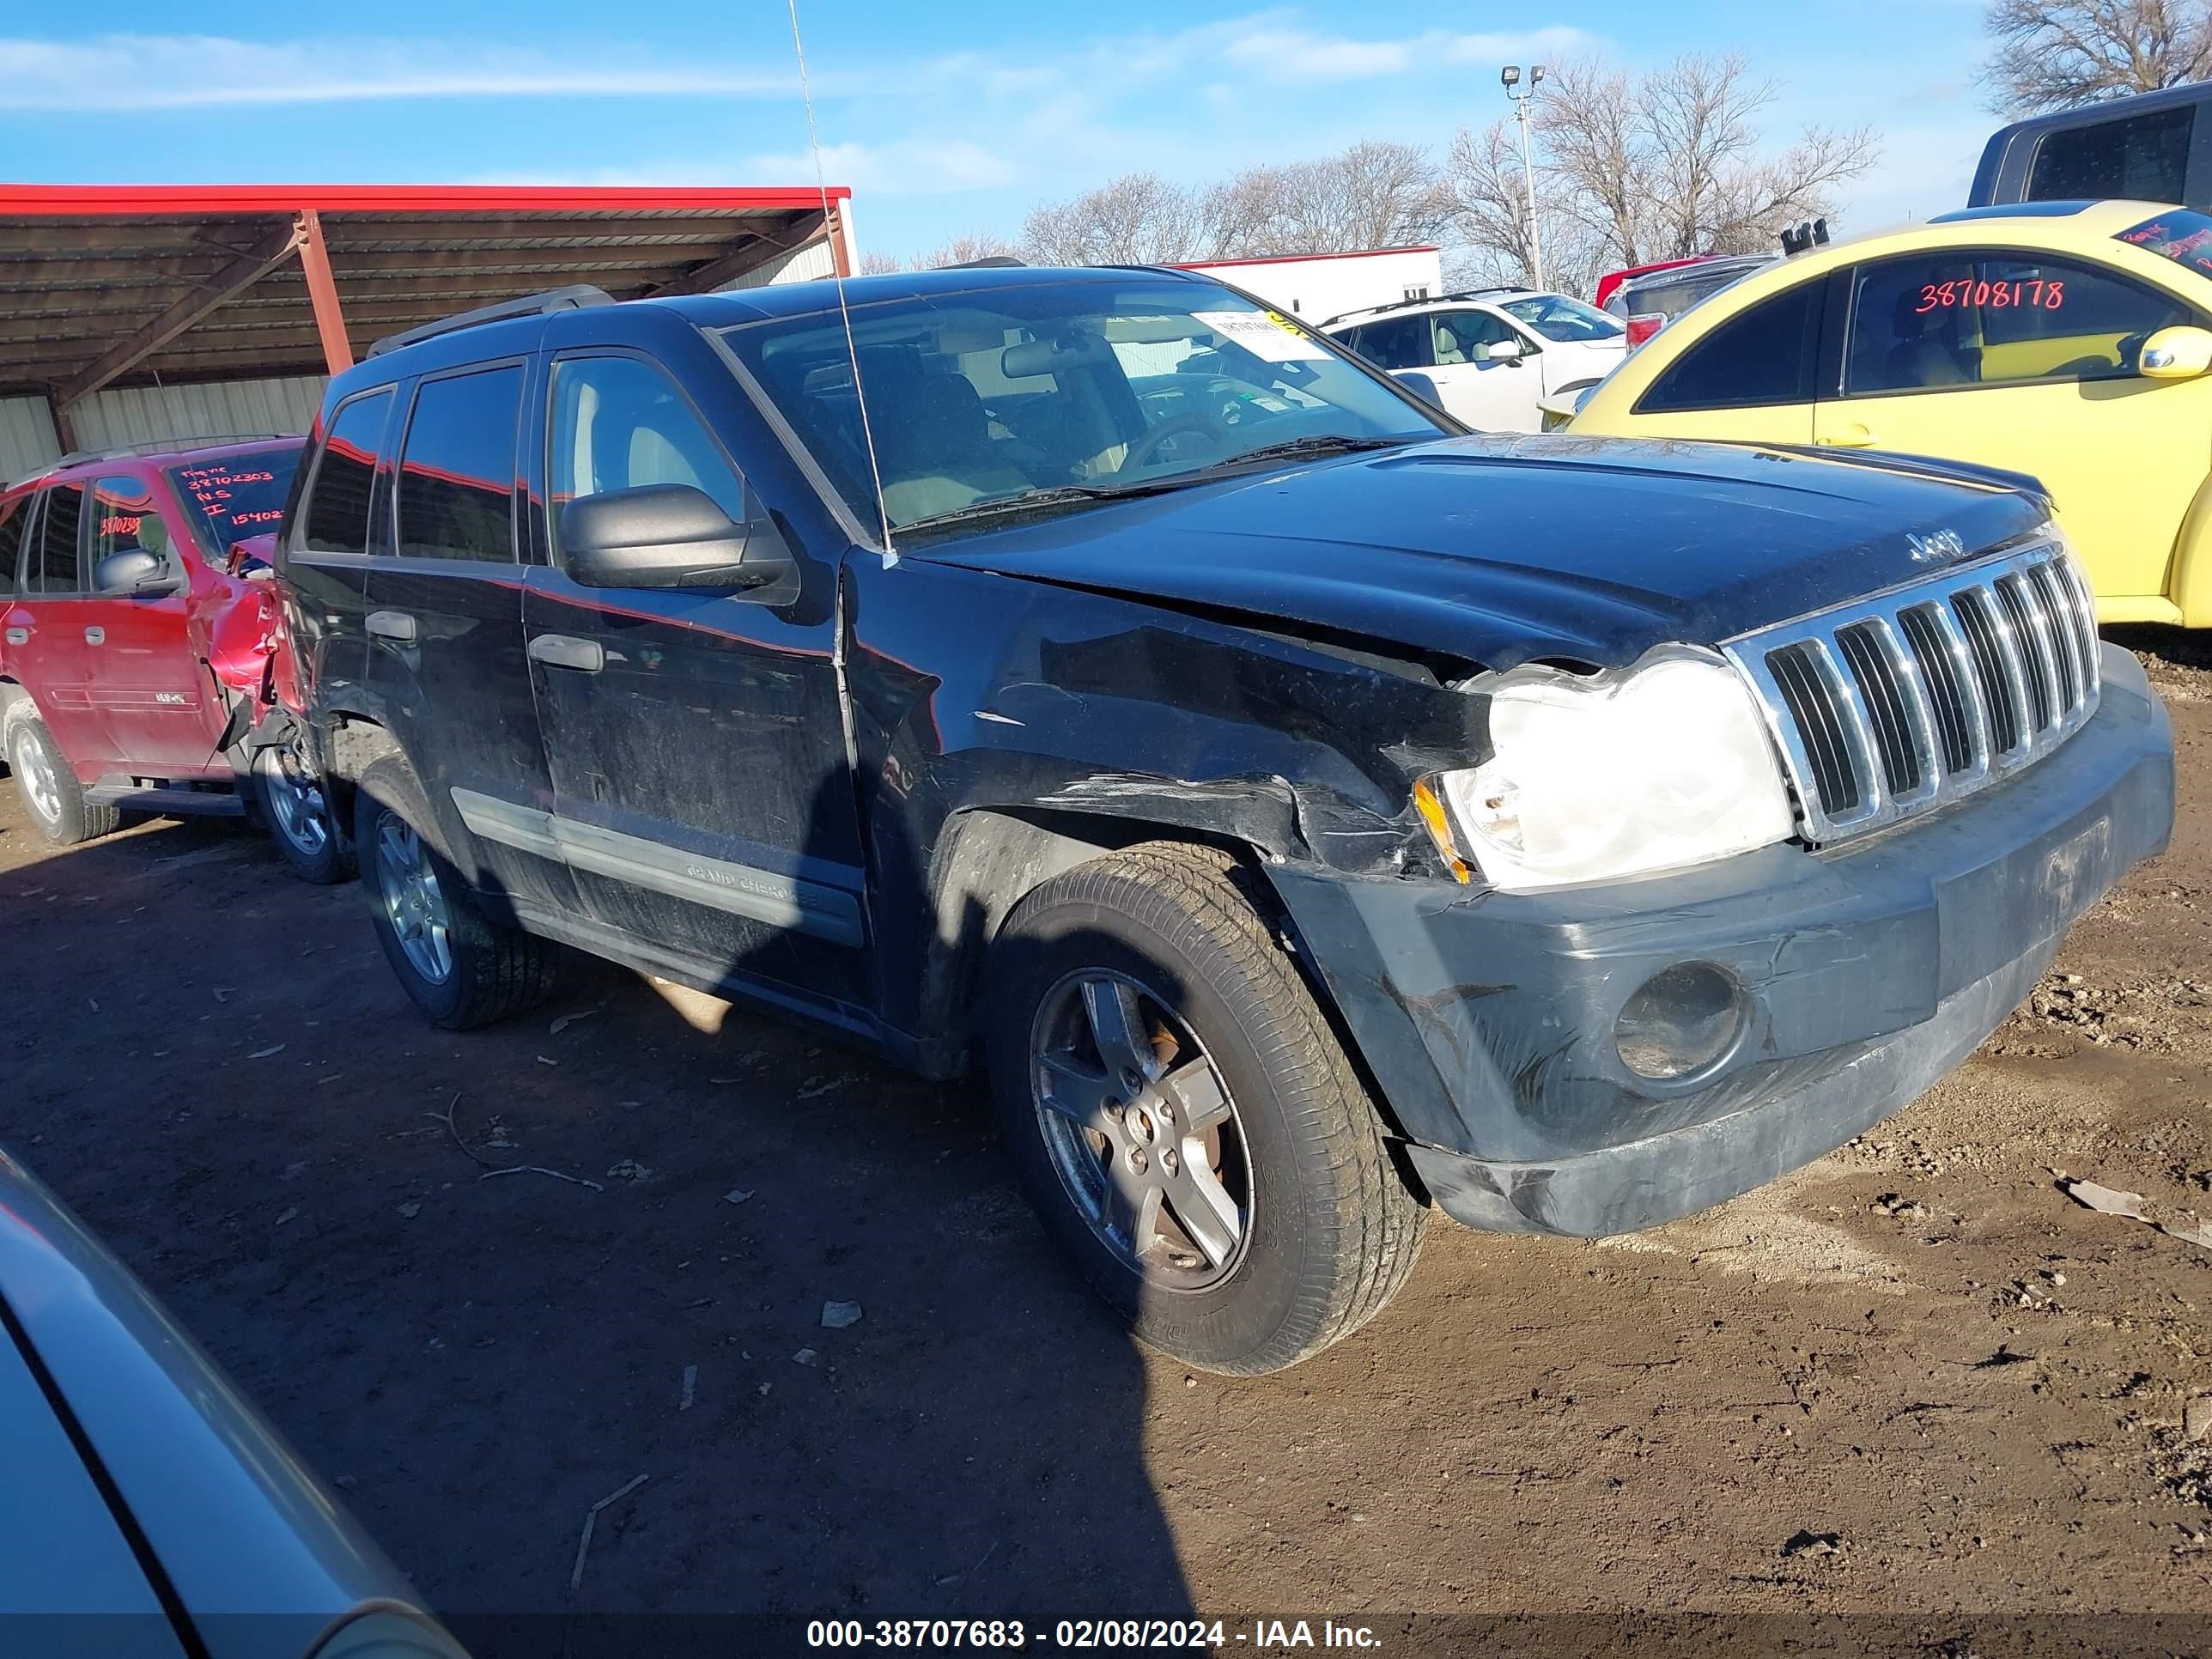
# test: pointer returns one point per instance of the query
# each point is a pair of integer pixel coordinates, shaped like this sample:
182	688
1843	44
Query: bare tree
2059	54
1372	195
966	249
1485	195
1662	167
1136	219
875	263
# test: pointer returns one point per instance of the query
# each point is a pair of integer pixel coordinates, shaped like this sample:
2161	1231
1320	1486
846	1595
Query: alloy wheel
295	795
1141	1130
38	775
407	887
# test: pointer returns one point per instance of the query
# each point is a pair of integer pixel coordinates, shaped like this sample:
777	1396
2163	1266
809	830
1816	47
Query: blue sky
943	117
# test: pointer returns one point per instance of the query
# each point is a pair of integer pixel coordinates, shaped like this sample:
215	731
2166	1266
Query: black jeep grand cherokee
1308	812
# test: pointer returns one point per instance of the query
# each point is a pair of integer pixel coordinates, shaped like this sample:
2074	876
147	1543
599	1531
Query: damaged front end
1596	1057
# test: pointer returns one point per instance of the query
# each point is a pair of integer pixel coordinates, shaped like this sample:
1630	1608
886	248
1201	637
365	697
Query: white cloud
915	167
151	72
1557	40
1294	55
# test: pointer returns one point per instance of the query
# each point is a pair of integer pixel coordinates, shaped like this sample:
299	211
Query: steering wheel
1141	452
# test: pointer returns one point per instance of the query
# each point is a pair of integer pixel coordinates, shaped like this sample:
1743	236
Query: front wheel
1184	1119
296	808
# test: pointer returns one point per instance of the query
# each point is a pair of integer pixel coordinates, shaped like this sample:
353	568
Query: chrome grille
1888	706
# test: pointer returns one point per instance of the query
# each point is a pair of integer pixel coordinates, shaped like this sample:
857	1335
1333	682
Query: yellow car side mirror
2176	353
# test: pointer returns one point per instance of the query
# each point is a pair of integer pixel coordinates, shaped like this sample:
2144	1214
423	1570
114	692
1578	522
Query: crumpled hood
1502	548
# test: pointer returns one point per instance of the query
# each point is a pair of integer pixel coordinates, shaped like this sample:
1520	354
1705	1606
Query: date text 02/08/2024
1262	1636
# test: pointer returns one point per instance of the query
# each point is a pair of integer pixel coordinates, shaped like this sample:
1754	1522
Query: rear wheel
50	787
1184	1119
462	967
296	810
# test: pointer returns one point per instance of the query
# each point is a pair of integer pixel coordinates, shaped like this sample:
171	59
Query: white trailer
1315	287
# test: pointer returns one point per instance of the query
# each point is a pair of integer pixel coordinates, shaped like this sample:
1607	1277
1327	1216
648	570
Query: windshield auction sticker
1267	335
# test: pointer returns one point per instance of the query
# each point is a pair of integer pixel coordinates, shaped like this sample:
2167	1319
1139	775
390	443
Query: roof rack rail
572	298
988	262
1424	299
152	446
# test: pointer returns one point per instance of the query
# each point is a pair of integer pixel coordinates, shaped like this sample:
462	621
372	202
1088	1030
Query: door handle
96	636
392	625
19	637
1851	435
561	650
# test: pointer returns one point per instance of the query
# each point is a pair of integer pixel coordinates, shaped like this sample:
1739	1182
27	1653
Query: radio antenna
845	314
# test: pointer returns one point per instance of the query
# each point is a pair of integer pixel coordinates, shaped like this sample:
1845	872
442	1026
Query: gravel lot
1916	1376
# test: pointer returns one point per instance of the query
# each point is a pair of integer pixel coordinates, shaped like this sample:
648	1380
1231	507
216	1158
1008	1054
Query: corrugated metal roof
83	269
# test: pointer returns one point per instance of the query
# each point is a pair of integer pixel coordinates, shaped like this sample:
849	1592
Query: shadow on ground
214	1065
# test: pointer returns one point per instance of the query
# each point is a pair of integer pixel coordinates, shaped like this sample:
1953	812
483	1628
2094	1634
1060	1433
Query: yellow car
2069	340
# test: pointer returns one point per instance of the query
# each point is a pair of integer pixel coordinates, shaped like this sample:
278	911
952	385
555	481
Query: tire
293	806
491	971
51	792
1324	1229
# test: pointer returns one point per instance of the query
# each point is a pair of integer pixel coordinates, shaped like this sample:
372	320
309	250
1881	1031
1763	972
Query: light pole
1509	77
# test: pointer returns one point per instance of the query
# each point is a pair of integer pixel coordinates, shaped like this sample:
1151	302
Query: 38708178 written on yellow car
2071	341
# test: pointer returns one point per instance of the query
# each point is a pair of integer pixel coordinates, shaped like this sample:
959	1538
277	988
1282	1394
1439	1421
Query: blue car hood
1497	549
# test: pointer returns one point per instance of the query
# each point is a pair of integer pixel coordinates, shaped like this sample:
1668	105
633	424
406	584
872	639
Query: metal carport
106	287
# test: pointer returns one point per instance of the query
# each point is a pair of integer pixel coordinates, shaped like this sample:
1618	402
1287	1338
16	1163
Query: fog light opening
1681	1020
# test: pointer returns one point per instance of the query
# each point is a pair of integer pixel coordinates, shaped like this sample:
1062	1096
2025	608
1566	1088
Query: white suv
1494	354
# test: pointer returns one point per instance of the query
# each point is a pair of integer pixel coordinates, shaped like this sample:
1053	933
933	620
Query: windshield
1081	389
1556	317
2180	235
236	496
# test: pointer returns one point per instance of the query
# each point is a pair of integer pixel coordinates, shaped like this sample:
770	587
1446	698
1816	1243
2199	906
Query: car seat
1926	352
933	438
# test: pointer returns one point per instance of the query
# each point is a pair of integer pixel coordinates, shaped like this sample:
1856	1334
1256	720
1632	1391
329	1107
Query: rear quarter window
2145	157
13	515
334	517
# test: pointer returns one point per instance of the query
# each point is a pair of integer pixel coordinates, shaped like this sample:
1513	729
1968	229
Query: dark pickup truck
1309	812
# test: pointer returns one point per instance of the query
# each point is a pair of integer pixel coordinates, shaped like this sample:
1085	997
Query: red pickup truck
141	655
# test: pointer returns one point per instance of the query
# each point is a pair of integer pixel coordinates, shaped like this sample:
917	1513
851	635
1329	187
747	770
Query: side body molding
764	896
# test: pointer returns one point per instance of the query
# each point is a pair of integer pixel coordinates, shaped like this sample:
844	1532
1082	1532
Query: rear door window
1765	355
2144	157
336	517
1994	318
52	567
1398	342
457	478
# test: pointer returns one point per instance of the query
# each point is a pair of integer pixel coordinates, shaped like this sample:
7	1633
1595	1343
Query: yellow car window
1986	319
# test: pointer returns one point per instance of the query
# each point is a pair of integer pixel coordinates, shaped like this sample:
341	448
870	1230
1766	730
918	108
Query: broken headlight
1624	773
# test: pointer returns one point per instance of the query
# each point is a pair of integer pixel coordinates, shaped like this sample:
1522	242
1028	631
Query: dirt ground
1914	1378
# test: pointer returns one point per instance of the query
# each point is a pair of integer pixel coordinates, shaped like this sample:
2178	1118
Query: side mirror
251	554
660	536
138	572
1420	384
1504	351
2176	353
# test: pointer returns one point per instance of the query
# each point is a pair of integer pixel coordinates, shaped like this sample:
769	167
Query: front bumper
1487	1020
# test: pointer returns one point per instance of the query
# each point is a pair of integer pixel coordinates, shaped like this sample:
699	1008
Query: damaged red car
142	663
